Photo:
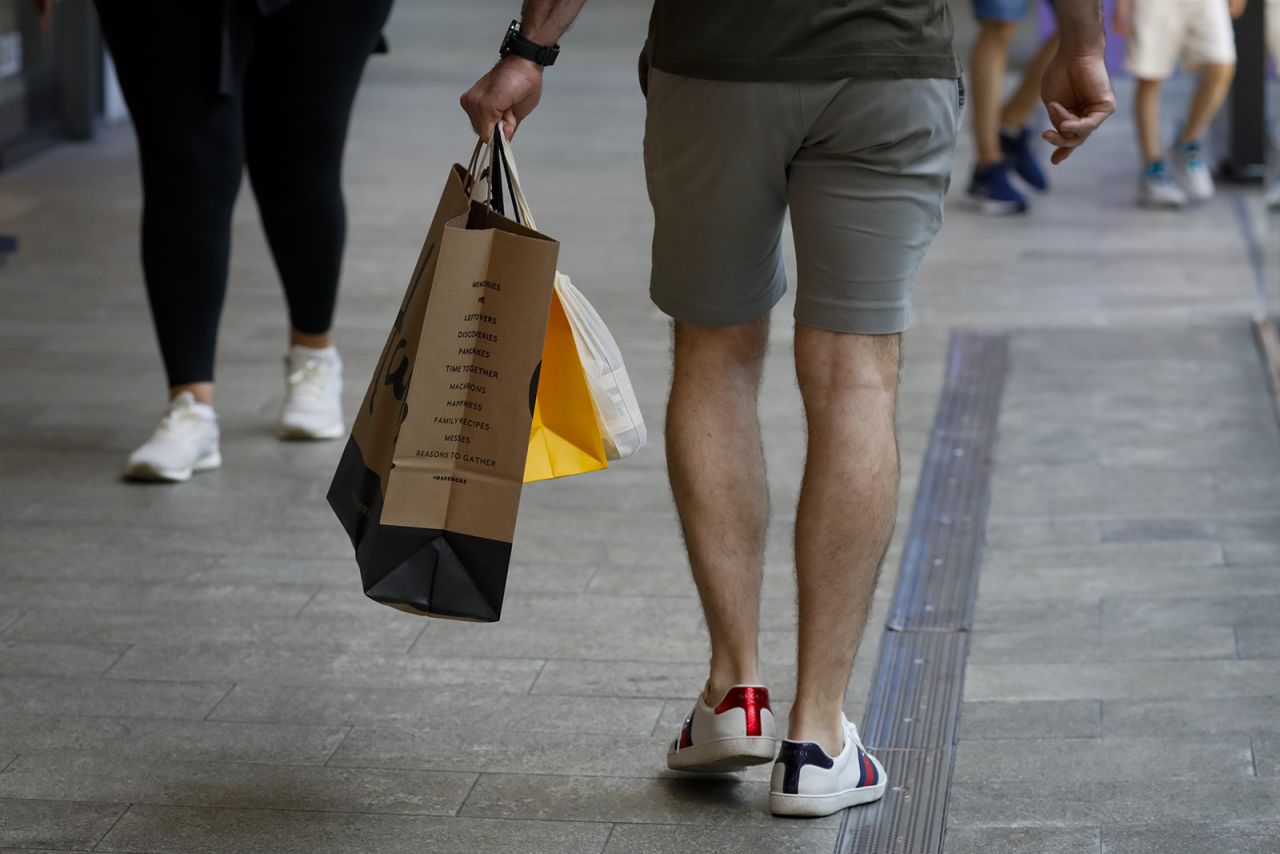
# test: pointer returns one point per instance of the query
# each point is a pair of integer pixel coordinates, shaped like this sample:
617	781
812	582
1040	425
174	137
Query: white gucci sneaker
313	395
808	782
738	732
185	442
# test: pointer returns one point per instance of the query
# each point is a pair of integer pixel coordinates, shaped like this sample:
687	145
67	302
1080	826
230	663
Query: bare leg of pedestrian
1146	115
1215	83
987	65
848	503
1156	185
990	188
1025	100
716	464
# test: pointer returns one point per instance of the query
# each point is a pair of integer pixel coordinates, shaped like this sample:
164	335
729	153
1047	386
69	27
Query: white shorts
1196	31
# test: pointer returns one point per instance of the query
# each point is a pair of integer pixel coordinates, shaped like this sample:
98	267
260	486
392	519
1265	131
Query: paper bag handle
488	162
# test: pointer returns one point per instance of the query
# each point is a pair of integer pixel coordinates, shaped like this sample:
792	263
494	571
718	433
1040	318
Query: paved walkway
194	669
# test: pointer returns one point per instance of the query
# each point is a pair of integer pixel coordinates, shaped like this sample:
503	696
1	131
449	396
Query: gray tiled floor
194	669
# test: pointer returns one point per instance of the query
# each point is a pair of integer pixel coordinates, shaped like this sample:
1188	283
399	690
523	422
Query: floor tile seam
391	724
660	776
533	683
1249	229
177	804
103	803
1266	335
662	710
433	816
424	658
225	695
13	621
1123	658
470	789
586	586
104	836
342	812
337	747
657	774
176	759
1014	739
41	716
315	593
206	683
105	674
608	837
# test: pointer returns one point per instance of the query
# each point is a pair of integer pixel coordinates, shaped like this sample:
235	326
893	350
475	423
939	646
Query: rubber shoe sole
725	754
301	434
819	805
995	207
147	473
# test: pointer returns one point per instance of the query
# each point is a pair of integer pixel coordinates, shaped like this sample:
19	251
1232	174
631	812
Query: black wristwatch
520	46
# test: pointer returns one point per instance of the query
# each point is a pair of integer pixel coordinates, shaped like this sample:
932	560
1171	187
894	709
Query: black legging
213	85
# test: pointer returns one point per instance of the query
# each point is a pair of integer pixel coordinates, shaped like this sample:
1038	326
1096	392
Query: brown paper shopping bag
429	484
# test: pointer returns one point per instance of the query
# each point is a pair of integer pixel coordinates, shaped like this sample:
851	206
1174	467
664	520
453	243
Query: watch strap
515	43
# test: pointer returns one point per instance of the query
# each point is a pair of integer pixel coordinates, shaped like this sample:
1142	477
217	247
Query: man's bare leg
1215	82
848	504
1146	115
1026	98
986	78
716	463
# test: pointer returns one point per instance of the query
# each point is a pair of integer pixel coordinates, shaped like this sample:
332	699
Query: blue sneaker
1018	156
993	194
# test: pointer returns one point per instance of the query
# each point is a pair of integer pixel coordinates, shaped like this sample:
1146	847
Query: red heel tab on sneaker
752	699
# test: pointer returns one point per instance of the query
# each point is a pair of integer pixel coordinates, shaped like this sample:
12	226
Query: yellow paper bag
565	436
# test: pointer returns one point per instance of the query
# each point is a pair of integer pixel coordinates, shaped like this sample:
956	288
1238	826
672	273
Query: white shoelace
310	383
177	425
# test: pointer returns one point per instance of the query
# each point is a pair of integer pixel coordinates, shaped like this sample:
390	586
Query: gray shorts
863	166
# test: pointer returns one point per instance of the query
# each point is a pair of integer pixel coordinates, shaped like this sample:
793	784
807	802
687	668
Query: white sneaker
1192	172
185	442
738	732
1157	189
1272	197
806	781
313	395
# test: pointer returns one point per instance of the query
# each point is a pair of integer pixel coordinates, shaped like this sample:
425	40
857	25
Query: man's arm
513	87
1076	89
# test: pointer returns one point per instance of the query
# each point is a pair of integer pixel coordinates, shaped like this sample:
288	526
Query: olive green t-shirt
801	39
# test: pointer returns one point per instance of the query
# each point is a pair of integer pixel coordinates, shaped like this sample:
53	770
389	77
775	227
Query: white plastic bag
621	424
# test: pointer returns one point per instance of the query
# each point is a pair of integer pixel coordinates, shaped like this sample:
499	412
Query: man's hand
1077	93
1237	7
508	93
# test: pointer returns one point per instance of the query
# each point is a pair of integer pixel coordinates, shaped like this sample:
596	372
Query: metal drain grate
910	818
915	701
938	581
916	692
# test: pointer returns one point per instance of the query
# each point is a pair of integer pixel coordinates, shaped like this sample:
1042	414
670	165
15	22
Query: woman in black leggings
212	86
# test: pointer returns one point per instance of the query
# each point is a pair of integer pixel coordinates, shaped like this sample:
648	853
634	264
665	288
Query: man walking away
845	113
